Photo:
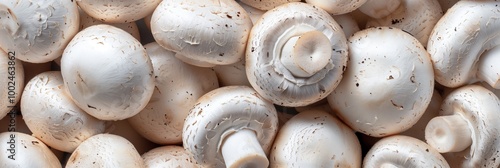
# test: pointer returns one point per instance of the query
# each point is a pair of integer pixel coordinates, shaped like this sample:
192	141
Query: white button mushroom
232	74
52	116
252	12
388	83
266	4
459	42
337	7
296	55
178	87
379	8
468	118
403	151
107	72
231	126
105	150
12	83
118	11
87	21
315	138
208	31
124	129
22	150
37	31
169	156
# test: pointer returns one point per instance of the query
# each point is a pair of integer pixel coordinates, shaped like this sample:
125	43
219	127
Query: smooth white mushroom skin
282	73
12	84
218	116
206	32
403	151
107	72
252	12
177	88
488	67
124	129
37	31
348	24
477	109
118	11
337	7
266	4
22	150
130	27
388	84
315	138
459	39
232	74
105	150
52	116
169	156
379	8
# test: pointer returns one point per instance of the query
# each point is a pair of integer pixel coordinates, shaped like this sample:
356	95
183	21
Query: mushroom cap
130	27
233	74
211	32
37	31
460	37
118	11
12	82
315	138
52	116
403	151
223	111
269	77
169	156
27	151
105	150
178	87
122	84
348	24
388	83
337	7
479	107
266	4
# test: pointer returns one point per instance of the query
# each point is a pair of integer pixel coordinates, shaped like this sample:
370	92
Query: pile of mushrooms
250	83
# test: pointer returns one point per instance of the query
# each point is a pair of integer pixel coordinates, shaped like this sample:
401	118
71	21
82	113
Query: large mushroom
37	31
122	84
170	156
296	54
22	150
388	83
231	126
118	11
460	42
203	33
468	121
12	83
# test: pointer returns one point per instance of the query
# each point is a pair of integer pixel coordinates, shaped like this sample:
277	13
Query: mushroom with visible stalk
464	44
403	151
384	57
296	55
468	119
122	85
178	87
22	150
105	150
206	33
170	156
266	4
337	7
37	31
130	27
121	11
315	138
51	115
416	17
231	126
13	82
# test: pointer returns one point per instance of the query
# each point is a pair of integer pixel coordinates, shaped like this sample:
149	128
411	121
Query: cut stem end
448	133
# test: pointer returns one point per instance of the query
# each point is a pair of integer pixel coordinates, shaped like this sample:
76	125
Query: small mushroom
178	87
403	151
468	119
118	11
266	4
205	32
12	82
460	42
231	126
22	150
107	72
37	31
315	138
170	156
337	7
130	27
105	150
388	83
296	55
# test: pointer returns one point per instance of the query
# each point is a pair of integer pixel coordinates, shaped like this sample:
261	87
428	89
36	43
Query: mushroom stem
242	149
8	20
449	133
488	70
306	54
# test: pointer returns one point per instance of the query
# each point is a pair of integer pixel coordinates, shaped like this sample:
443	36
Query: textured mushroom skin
13	82
270	78
118	11
169	156
130	27
266	4
29	151
43	28
337	7
221	112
